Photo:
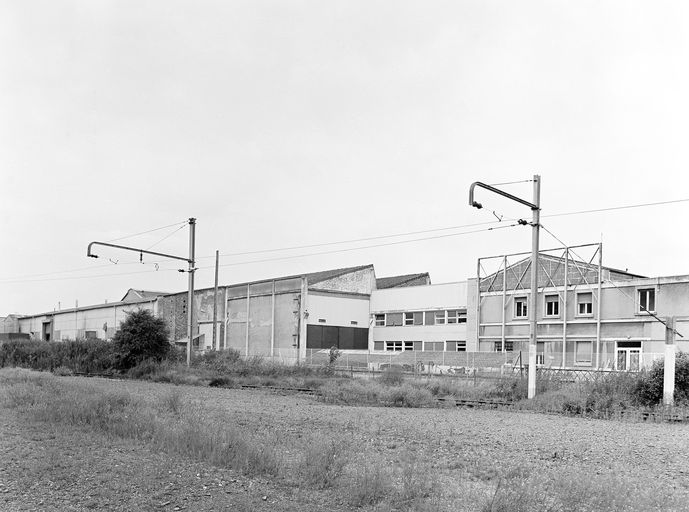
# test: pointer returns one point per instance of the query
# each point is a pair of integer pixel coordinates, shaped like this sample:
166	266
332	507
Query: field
164	447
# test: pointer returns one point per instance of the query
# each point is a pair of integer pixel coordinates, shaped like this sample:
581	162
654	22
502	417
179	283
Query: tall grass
523	490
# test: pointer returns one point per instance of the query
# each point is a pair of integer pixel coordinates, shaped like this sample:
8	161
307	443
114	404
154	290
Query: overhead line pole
535	224
190	298
190	260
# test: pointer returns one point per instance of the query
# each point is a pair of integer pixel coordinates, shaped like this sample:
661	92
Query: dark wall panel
344	338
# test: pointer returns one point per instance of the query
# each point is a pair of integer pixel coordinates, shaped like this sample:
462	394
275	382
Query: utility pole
215	303
535	207
190	298
533	332
190	260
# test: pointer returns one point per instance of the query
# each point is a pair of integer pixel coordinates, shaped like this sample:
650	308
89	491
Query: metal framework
562	270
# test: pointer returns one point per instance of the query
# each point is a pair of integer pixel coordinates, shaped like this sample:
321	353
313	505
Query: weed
322	463
369	485
62	371
391	377
407	395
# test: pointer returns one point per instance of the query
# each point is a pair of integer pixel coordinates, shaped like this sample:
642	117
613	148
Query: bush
392	376
83	356
141	336
649	390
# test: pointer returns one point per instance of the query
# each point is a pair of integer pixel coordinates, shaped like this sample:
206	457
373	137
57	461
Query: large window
380	319
585	304
439	317
647	300
583	353
399	346
520	307
456	316
393	319
552	305
413	318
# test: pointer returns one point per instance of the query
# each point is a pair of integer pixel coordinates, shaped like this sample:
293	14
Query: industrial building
589	316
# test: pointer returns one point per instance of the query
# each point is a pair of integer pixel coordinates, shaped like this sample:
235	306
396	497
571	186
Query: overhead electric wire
349	249
610	281
166	237
380	237
146	232
353	240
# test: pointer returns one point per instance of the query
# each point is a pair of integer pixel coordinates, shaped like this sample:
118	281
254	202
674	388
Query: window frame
408	318
518	300
556	296
639	291
509	346
584	362
377	318
578	312
440	317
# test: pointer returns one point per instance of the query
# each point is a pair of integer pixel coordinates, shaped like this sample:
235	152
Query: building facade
589	316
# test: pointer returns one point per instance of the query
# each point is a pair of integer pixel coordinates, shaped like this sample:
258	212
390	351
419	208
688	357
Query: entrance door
47	330
628	356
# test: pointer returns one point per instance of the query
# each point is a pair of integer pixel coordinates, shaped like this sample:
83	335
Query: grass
323	460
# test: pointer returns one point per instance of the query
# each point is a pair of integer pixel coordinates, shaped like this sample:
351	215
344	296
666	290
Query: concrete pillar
304	319
669	373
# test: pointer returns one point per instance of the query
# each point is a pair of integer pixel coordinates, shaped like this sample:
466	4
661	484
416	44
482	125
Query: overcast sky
291	123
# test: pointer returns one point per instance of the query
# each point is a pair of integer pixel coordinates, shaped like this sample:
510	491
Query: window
520	309
456	316
354	322
552	305
461	346
380	319
393	319
628	356
647	300
585	304
583	353
439	317
91	335
321	320
434	346
509	346
399	346
540	353
413	318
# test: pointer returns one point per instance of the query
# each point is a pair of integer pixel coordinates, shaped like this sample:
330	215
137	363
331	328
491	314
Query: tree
141	336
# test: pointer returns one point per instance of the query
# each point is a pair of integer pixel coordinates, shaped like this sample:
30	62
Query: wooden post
669	369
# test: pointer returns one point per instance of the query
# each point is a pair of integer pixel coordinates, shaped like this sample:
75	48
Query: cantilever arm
90	255
497	191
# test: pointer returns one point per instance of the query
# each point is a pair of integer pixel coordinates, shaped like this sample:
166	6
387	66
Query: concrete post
533	304
669	369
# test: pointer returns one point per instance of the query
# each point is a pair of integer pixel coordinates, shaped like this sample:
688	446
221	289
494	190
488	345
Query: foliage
141	336
650	389
81	356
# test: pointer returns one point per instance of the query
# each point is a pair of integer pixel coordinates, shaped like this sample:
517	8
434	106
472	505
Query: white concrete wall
73	324
420	298
338	310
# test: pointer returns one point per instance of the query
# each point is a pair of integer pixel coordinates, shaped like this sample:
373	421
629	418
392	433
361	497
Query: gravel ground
464	452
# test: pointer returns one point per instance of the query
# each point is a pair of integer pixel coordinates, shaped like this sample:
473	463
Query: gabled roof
551	273
405	280
317	277
134	295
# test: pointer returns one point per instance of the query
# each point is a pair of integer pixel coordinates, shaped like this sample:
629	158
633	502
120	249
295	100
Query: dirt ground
43	467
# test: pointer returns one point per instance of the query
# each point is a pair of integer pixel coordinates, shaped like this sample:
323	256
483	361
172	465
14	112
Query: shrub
392	376
407	396
141	336
649	389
